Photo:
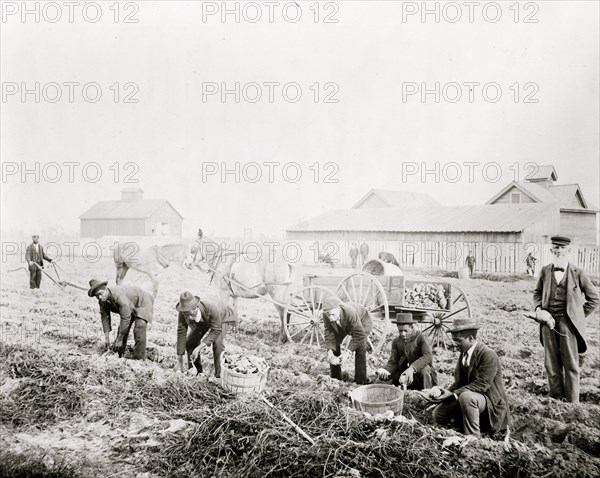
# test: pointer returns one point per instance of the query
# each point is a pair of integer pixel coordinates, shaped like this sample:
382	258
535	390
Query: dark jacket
212	315
355	320
582	298
484	376
127	301
33	256
416	352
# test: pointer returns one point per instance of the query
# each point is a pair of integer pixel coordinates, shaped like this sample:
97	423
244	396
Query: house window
515	198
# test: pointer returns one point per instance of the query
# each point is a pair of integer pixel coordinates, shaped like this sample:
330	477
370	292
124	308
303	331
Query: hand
446	394
197	351
346	355
551	322
332	359
383	374
408	374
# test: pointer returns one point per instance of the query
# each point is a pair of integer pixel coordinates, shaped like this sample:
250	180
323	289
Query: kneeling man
411	358
342	319
204	318
477	398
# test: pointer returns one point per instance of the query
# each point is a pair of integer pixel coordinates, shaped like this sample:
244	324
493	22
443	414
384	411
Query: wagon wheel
439	329
364	288
304	316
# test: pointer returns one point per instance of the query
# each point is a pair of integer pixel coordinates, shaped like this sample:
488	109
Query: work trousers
561	359
193	340
35	276
468	411
360	364
139	336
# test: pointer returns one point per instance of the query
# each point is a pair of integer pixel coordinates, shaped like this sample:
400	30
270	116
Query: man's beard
560	261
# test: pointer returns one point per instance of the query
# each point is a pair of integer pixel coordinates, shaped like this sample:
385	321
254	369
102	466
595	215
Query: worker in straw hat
411	358
340	320
563	298
476	400
135	307
200	324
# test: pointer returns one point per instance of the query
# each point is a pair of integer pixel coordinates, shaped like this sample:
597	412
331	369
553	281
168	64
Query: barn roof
399	198
140	209
563	194
481	218
543	172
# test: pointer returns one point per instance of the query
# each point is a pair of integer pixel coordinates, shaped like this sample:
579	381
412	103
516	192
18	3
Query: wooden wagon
383	296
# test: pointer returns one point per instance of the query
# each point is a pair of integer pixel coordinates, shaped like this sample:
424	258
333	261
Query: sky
324	111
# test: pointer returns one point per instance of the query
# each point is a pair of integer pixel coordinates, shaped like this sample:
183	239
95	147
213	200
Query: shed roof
485	218
120	209
546	171
399	198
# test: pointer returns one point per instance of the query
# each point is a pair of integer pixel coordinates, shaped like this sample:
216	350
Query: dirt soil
69	410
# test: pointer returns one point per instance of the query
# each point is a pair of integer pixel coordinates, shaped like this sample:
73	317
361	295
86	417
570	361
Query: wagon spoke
353	298
299	331
372	297
312	332
346	291
458	297
427	328
446	317
317	332
366	296
307	332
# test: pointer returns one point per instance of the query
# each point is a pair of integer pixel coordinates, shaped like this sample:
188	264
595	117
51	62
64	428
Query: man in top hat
203	318
563	298
470	262
35	257
411	358
342	319
477	398
135	307
353	255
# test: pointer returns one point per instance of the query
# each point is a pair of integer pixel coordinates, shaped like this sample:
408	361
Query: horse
238	275
150	261
388	257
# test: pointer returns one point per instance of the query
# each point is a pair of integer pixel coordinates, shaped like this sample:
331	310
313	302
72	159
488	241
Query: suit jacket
416	352
126	301
484	376
355	320
582	298
212	315
31	255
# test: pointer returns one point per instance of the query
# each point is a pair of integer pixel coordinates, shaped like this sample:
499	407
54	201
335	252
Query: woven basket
378	398
243	383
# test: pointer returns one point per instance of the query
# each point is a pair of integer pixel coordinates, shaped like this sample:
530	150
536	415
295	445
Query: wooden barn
578	218
132	215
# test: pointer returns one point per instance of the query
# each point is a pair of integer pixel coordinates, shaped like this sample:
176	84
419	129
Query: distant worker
411	358
135	307
35	257
340	320
353	255
364	252
530	262
198	320
470	263
388	257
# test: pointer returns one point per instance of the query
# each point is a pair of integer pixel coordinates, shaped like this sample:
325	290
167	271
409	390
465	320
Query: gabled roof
399	198
543	172
565	193
486	218
120	209
534	191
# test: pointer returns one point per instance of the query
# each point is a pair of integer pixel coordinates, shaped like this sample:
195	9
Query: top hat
403	318
560	240
187	302
331	303
458	325
95	285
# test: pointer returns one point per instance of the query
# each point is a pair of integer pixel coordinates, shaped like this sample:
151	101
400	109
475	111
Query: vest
558	296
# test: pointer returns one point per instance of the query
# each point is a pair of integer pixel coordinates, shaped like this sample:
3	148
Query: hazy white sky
369	57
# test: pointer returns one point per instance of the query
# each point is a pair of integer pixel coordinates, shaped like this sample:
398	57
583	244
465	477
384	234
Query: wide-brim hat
560	240
187	302
458	325
403	318
331	303
95	285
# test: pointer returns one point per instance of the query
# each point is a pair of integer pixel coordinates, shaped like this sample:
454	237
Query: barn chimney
131	194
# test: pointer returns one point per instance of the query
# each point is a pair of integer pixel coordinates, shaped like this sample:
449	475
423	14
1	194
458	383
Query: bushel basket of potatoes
243	373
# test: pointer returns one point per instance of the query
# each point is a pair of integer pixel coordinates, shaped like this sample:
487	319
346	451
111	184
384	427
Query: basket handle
221	359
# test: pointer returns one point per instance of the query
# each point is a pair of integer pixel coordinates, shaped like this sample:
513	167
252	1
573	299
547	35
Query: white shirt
37	248
558	275
467	356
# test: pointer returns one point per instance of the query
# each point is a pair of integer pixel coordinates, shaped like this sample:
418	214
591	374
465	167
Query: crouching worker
204	318
411	358
340	320
135	307
476	400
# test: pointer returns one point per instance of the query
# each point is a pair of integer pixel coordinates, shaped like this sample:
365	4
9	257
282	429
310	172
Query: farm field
68	411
